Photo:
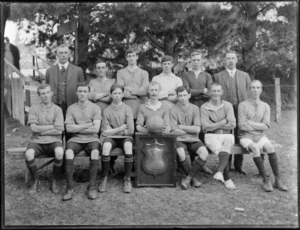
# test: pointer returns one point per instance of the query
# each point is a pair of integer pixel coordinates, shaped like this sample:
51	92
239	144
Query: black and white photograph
149	114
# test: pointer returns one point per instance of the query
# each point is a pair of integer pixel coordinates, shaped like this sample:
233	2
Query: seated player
217	119
83	120
116	131
47	124
185	121
151	108
254	119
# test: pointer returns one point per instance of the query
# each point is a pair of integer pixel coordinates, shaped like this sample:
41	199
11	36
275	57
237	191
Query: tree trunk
83	35
249	37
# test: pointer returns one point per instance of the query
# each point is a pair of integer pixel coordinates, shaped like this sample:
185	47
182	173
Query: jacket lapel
226	78
55	74
70	72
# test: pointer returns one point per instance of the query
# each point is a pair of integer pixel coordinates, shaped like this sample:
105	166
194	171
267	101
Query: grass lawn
208	206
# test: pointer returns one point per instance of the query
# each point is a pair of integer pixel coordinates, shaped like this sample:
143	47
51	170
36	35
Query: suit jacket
74	76
243	84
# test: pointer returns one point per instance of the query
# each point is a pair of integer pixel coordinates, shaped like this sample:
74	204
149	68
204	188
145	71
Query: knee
254	148
269	147
95	154
106	149
181	154
128	148
29	154
69	154
203	153
59	153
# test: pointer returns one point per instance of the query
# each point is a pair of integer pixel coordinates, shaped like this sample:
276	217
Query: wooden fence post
277	100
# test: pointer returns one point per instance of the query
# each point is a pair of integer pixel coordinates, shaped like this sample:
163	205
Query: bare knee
128	148
254	148
95	154
106	149
269	147
181	154
29	154
69	154
59	153
202	153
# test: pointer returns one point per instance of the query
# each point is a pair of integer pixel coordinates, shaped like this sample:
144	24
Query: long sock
69	173
185	166
197	165
274	164
223	160
32	168
94	166
128	162
238	161
260	166
57	168
226	173
105	161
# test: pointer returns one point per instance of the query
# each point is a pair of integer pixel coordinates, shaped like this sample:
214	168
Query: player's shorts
192	147
245	142
118	142
45	149
215	142
88	147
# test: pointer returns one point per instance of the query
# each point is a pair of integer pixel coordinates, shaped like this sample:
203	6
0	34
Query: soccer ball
155	124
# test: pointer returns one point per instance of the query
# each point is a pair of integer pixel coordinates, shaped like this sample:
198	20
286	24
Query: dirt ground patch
208	206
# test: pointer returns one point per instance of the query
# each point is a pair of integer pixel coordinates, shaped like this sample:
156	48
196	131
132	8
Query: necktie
63	69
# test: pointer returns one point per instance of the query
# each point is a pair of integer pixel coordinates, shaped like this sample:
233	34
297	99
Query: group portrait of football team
105	113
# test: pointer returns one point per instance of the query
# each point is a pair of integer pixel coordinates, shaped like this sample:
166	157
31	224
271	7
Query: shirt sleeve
69	116
59	119
204	117
266	117
209	81
140	118
196	118
230	115
173	120
97	112
32	116
92	92
179	82
242	116
166	116
105	122
129	122
120	78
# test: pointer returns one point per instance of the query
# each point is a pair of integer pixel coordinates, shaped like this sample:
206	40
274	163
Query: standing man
83	120
254	119
168	81
100	87
135	82
235	84
116	131
151	108
47	124
63	78
217	120
197	80
185	121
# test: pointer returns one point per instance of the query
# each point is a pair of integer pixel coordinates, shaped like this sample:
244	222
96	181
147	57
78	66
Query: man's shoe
229	184
34	187
127	185
219	176
69	195
196	183
240	170
54	187
185	183
206	170
103	185
267	186
92	194
278	185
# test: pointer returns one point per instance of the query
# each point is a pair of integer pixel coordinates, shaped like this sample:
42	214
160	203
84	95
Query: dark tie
63	69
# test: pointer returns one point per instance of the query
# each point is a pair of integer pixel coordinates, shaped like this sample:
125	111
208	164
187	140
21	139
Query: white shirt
231	72
168	83
63	65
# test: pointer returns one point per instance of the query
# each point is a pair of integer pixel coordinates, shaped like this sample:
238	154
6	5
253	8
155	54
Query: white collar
231	72
153	107
63	65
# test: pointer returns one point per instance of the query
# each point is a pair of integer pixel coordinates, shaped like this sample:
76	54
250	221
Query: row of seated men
83	120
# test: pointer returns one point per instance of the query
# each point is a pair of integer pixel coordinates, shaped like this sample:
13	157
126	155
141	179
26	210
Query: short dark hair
216	84
131	50
100	61
83	84
167	58
116	86
183	88
196	52
255	80
63	46
43	86
230	52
